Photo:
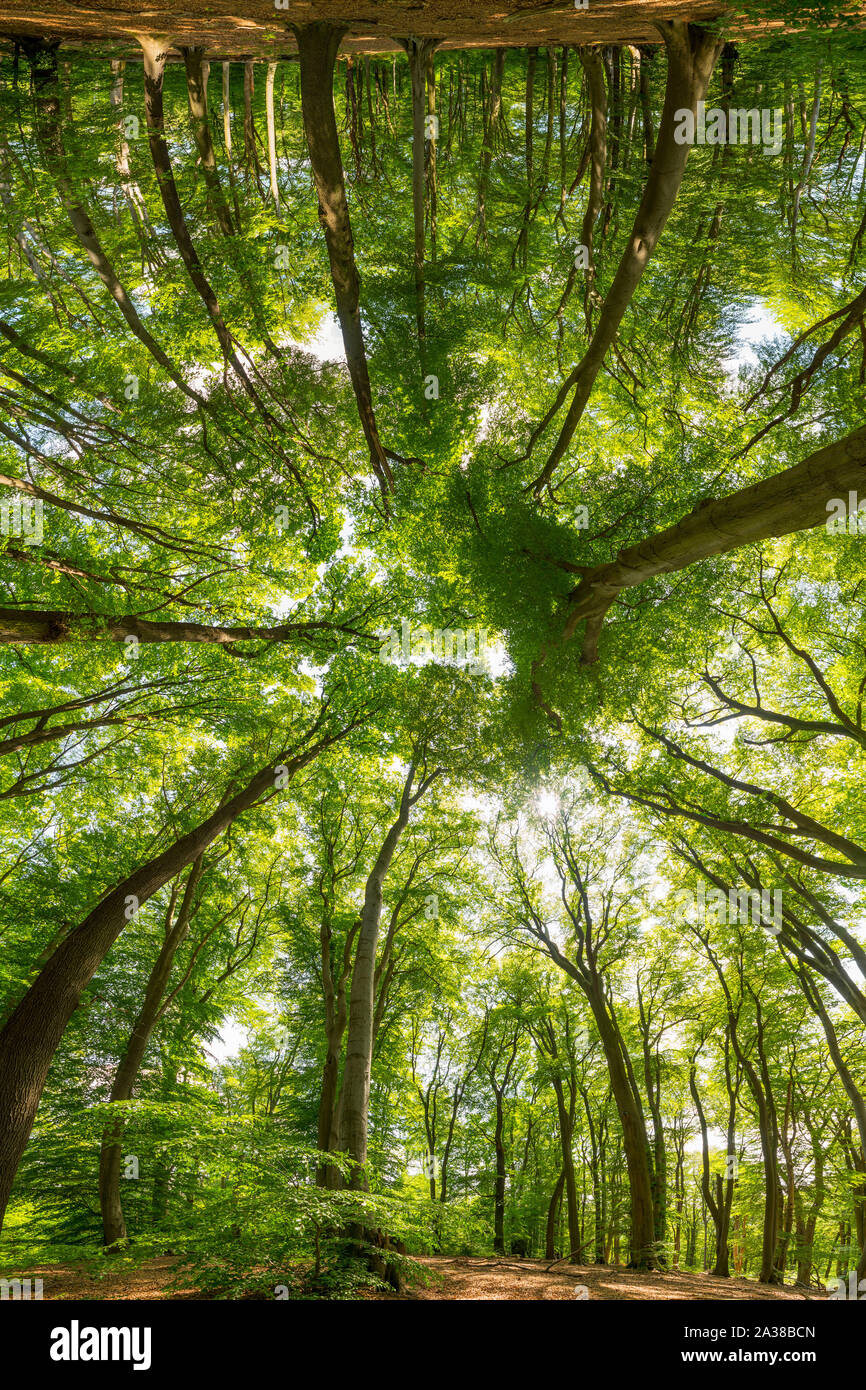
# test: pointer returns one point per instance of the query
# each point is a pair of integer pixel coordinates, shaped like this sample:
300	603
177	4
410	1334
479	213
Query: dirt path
494	1279
451	1279
262	29
150	1280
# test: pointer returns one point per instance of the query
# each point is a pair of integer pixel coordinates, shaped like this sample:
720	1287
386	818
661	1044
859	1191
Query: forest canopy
432	631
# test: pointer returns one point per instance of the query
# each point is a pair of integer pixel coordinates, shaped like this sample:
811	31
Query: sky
756	327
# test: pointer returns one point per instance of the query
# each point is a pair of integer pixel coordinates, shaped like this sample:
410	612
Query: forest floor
464	1278
261	29
468	1278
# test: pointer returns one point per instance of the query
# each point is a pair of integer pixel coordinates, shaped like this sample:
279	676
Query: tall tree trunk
563	132
500	1179
566	1132
196	91
718	1203
318	45
552	1215
456	1099
113	1223
647	55
692	54
272	134
131	191
634	1135
418	50
30	1036
155	52
855	1095
227	110
529	122
679	1191
794	500
494	107
546	1040
597	1174
652	1089
432	134
769	1273
759	1084
355	1095
353	1106
251	154
44	85
336	1016
227	138
593	67
520	254
628	1104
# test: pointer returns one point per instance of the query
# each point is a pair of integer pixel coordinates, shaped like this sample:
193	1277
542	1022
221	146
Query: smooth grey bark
251	154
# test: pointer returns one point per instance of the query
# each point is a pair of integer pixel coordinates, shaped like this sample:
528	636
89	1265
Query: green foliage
218	577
